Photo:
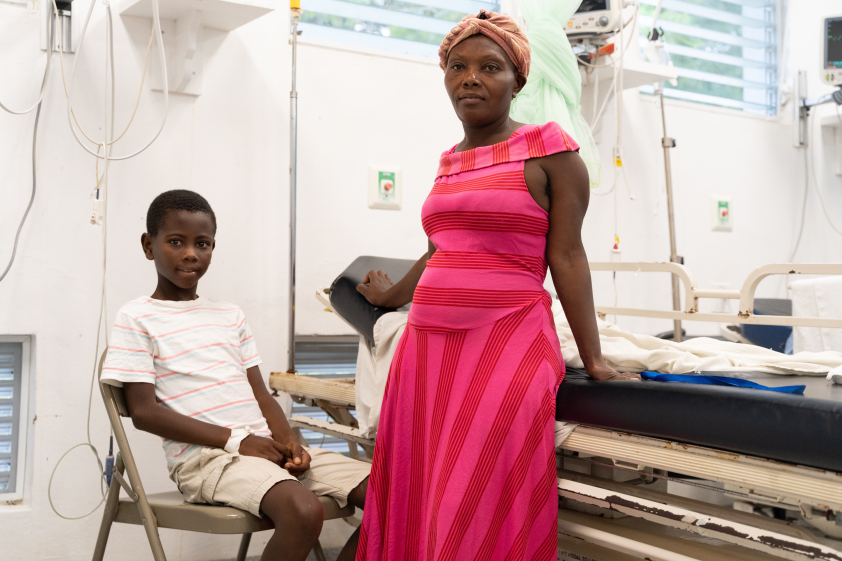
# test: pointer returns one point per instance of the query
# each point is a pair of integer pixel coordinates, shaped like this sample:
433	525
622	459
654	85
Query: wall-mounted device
68	25
830	73
832	50
595	17
385	187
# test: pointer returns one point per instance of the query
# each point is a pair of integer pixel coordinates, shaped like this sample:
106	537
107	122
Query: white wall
719	153
231	144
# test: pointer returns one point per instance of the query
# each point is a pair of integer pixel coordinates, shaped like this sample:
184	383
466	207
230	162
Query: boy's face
182	248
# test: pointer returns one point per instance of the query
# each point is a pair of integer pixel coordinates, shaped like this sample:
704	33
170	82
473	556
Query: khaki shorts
216	477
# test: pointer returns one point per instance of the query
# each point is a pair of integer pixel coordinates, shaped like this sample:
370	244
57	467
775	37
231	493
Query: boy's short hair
175	200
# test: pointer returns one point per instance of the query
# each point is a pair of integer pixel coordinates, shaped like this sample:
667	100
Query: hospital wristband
237	436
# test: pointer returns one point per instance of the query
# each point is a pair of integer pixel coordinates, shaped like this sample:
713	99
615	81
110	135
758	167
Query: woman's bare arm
568	191
379	289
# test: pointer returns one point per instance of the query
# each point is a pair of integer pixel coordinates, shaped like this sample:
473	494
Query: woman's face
481	81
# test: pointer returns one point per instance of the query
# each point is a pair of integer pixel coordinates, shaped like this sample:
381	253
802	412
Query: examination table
764	448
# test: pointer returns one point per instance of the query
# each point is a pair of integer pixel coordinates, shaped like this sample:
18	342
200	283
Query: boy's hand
265	448
298	461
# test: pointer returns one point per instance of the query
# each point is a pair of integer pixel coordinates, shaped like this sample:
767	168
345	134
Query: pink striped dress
464	466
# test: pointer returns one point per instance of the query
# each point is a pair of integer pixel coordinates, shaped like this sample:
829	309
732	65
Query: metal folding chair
169	510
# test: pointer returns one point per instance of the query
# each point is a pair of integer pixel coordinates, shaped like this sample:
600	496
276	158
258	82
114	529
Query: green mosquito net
554	87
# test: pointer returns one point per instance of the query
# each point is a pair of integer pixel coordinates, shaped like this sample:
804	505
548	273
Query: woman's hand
374	287
604	372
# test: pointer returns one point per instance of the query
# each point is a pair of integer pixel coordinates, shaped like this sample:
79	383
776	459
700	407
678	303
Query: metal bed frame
815	492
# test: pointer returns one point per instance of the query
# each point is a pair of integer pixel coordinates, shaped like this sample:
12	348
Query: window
14	361
326	357
725	51
414	27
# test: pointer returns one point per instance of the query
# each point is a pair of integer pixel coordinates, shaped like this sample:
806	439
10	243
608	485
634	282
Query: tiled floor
330	555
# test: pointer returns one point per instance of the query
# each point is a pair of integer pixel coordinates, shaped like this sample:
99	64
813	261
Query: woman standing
464	466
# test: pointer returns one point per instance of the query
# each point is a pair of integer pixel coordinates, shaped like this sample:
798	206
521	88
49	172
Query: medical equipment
830	73
764	448
295	13
832	50
100	214
596	17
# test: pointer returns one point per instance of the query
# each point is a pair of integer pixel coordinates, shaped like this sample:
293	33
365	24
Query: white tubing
44	82
156	19
618	543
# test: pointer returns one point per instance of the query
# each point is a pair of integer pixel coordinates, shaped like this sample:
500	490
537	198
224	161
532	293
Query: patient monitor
595	17
831	72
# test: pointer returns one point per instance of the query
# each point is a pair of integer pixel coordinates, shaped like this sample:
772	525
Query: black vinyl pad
799	429
352	305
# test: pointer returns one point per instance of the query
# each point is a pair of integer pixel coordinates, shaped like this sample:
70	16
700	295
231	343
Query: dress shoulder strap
529	141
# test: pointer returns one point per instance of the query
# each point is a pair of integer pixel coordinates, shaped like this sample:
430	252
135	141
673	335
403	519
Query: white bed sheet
625	351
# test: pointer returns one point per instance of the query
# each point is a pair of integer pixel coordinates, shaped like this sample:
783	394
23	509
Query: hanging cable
803	209
156	20
139	93
37	107
32	196
102	194
811	148
44	81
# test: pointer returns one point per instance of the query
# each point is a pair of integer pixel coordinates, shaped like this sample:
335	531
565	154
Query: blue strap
718	381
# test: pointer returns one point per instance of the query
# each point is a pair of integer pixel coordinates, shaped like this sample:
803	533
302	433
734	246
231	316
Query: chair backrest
115	406
115	395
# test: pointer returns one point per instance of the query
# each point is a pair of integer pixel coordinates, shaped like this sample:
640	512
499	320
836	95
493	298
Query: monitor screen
594	6
833	43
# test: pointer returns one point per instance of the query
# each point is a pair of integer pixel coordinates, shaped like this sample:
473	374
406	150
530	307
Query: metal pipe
717	293
619	543
668	143
295	13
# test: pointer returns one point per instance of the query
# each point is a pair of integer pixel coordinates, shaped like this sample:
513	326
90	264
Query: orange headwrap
501	29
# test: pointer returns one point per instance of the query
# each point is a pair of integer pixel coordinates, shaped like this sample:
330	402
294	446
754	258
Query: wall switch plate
721	214
385	187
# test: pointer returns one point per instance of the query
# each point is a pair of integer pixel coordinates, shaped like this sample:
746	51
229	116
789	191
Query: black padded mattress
800	429
352	305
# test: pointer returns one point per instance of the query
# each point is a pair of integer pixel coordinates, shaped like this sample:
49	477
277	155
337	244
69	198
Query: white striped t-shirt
196	353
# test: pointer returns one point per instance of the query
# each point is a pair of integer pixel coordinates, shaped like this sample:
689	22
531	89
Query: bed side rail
692	294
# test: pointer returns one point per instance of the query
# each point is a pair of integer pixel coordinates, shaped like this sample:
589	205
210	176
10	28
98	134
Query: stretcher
628	445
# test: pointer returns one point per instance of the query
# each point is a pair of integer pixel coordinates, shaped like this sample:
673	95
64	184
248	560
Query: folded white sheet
373	369
628	352
819	298
835	375
633	352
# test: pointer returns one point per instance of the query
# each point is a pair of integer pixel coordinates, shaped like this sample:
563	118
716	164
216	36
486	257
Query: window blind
725	51
326	357
412	27
11	355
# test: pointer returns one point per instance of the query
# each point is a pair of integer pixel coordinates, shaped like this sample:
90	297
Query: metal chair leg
319	552
111	504
244	547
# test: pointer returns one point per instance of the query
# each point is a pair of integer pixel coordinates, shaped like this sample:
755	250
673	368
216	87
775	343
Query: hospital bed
625	443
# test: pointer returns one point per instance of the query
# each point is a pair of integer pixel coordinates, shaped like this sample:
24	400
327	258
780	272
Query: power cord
37	108
44	82
31	197
105	148
156	21
811	148
803	209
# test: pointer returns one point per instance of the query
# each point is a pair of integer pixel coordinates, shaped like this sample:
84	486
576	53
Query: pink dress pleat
464	465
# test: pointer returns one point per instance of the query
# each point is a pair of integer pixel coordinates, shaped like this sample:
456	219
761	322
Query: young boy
189	369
